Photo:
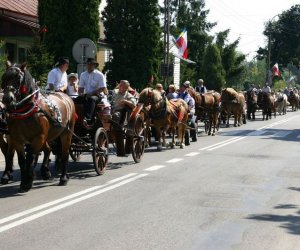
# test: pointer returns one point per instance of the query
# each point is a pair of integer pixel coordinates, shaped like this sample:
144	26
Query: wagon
98	138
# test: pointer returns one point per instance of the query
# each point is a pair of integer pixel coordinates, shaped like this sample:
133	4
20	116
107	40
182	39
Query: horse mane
150	92
230	93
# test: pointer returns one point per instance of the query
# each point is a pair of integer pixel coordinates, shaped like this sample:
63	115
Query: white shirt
58	78
92	81
71	91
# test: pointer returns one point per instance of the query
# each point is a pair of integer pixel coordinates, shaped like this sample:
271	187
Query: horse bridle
10	85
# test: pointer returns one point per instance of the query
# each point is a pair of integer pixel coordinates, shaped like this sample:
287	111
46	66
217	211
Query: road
237	190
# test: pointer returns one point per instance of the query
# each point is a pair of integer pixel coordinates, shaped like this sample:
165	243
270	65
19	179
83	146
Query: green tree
3	59
39	61
66	22
284	34
232	60
132	27
192	15
213	71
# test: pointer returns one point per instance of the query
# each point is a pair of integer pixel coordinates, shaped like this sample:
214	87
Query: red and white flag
275	70
181	43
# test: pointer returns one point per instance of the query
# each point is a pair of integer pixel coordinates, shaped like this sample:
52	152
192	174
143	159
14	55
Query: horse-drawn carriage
96	138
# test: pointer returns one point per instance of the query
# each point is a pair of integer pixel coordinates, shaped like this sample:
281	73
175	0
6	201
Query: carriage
96	139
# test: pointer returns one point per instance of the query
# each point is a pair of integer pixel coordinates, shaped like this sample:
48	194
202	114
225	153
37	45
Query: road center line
211	146
174	160
224	144
67	204
46	205
192	154
155	167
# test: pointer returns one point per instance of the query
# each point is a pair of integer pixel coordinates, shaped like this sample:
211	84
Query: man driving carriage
122	104
92	83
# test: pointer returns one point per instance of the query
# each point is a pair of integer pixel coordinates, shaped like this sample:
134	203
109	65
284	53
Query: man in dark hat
93	84
57	77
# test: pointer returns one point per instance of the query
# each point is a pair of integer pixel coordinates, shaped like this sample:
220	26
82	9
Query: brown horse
251	101
208	104
293	99
41	123
234	103
267	104
166	115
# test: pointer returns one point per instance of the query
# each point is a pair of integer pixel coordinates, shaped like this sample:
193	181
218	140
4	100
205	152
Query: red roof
25	7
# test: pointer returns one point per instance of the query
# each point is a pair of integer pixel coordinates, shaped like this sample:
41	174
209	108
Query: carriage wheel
75	155
100	151
138	141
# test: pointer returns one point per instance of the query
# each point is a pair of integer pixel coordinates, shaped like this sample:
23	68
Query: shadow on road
289	222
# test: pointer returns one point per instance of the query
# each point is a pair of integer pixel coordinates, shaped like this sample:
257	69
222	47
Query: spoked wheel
75	154
138	141
100	151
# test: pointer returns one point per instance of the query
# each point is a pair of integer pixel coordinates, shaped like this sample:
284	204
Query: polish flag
181	43
275	70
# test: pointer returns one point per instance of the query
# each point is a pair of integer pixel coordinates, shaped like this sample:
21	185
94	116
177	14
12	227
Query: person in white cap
72	89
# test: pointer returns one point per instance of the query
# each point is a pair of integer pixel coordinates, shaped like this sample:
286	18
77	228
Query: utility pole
166	64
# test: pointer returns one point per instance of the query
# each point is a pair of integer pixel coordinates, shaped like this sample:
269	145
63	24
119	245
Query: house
18	25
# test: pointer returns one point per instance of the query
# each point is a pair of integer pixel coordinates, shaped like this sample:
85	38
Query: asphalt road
237	190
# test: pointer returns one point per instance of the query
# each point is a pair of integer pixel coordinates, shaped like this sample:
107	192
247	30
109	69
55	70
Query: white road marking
174	160
155	167
192	154
67	204
211	146
224	144
281	134
49	204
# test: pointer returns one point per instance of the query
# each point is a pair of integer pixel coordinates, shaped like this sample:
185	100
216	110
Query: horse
294	100
281	103
233	102
50	120
267	104
251	101
207	104
166	115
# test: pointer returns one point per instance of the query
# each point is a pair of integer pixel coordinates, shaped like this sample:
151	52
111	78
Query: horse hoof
4	181
159	148
209	133
182	145
227	125
46	175
63	181
24	188
213	134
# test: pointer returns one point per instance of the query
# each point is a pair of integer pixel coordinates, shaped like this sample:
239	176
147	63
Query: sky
246	20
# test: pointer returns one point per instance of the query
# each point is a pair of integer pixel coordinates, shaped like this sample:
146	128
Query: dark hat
186	84
62	61
92	61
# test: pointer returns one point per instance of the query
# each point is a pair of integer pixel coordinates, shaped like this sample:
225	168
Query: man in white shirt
92	83
57	77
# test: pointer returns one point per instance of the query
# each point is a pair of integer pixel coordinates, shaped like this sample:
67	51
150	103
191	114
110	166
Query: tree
192	15
213	71
3	59
284	35
39	61
232	60
132	27
66	22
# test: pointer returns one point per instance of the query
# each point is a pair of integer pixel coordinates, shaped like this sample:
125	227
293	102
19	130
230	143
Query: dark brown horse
251	100
234	103
166	115
293	99
208	104
267	103
36	123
